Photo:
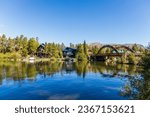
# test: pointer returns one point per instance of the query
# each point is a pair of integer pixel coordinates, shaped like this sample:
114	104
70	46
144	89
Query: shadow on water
136	87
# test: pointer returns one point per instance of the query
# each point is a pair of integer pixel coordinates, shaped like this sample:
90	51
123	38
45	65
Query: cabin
40	51
69	52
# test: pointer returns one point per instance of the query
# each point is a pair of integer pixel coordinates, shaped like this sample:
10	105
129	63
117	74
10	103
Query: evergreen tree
72	45
62	46
108	50
95	50
146	58
135	47
32	46
25	47
80	56
10	45
3	43
85	48
132	59
148	46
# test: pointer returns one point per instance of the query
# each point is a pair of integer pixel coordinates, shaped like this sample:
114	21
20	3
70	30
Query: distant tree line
21	47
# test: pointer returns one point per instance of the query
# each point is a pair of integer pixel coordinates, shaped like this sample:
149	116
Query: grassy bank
18	57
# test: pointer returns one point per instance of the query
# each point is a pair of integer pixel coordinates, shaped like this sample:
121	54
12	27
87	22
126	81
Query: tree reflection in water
137	87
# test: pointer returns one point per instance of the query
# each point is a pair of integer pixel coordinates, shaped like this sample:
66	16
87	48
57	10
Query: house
69	52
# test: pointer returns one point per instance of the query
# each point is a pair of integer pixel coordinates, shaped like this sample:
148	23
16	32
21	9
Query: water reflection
135	86
139	86
20	71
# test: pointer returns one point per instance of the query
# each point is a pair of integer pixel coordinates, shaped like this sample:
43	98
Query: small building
40	51
69	52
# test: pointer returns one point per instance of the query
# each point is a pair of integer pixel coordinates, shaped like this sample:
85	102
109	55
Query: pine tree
25	47
80	55
85	48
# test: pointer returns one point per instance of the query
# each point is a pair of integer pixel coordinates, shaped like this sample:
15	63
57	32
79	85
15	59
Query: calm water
46	80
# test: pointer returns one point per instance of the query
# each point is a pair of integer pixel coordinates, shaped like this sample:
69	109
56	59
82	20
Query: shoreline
62	60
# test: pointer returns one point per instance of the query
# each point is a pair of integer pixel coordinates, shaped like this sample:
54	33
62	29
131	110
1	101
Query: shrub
132	59
15	56
146	61
123	59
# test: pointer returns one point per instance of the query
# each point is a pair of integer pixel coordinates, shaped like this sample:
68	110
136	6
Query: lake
70	81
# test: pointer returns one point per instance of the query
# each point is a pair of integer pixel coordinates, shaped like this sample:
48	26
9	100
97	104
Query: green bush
132	59
15	56
146	61
123	59
10	56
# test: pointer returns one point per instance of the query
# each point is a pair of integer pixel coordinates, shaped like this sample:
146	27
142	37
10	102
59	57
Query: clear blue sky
104	21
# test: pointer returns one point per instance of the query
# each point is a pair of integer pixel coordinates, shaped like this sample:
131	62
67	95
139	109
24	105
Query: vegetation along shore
21	48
